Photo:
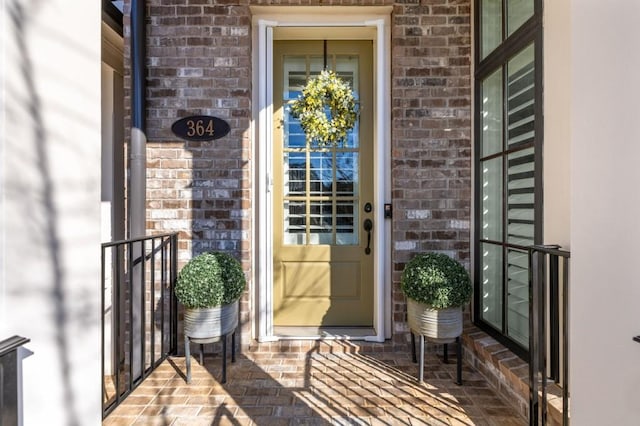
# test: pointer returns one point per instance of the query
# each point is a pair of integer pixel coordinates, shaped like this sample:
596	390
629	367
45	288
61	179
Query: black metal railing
548	329
139	308
10	380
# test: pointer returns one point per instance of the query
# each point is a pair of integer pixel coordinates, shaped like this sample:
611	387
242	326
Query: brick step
507	373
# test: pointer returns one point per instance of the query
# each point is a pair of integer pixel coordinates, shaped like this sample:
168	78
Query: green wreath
326	91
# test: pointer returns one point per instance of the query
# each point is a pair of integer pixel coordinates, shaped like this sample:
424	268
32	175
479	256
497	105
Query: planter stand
202	342
438	326
446	356
209	325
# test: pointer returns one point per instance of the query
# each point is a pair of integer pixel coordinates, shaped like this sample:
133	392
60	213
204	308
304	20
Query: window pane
316	65
295	228
520	197
491	296
294	136
492	199
521	97
491	26
492	114
518	11
347	70
346	220
346	174
295	76
295	79
518	296
321	174
295	171
320	222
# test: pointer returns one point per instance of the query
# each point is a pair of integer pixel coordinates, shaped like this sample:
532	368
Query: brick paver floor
317	383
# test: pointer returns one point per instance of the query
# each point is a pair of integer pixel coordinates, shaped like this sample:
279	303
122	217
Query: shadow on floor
315	383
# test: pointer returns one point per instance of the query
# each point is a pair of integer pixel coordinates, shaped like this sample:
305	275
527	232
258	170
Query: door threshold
328	333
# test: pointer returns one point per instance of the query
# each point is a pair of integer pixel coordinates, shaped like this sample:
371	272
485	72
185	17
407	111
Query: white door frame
362	22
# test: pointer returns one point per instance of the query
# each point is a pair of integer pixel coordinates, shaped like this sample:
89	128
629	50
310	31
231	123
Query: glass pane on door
321	222
346	220
295	174
321	169
295	222
346	174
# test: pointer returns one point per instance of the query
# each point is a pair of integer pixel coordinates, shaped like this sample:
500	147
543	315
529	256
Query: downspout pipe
137	182
138	156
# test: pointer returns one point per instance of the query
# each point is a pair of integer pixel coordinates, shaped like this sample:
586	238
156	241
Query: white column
605	212
51	136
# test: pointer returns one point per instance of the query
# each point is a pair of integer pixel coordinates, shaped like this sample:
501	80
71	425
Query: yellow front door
323	197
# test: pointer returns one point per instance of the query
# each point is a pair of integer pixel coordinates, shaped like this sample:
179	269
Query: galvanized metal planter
208	325
437	325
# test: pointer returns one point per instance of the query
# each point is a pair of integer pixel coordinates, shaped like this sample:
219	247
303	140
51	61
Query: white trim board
368	23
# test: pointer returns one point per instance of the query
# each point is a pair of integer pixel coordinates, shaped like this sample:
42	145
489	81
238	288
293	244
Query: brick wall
199	62
431	142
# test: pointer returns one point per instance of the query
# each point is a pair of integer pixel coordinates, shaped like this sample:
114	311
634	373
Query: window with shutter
508	164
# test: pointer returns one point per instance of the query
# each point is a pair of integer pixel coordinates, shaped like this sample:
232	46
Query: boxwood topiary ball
209	280
437	280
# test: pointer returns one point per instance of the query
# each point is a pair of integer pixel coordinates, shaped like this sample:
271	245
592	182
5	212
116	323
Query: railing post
545	303
533	339
554	318
143	269
565	341
174	301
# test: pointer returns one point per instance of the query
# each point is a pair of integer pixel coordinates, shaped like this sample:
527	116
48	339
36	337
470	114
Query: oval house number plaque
200	128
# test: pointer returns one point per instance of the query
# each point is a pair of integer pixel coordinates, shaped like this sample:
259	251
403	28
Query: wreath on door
327	109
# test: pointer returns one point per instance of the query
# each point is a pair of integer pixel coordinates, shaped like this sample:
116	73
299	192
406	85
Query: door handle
368	226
